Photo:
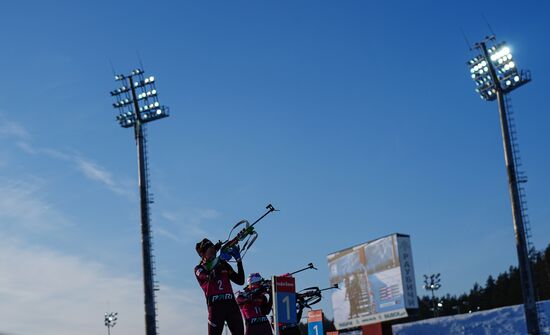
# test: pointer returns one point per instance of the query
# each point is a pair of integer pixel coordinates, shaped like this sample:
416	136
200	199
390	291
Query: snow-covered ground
506	320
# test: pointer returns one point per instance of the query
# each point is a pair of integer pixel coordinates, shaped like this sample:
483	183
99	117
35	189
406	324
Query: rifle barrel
270	209
309	266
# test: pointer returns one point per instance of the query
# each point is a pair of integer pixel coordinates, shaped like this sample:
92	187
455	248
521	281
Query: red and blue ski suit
220	300
255	307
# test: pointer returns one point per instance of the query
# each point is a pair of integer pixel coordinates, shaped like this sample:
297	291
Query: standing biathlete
215	280
255	302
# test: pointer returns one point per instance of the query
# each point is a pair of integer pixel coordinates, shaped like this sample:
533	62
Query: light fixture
504	78
131	114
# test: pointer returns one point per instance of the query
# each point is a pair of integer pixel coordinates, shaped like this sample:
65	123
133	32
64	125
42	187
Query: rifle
309	266
264	285
247	233
311	295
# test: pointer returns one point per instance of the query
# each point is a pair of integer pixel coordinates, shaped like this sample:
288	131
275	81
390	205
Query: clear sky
357	119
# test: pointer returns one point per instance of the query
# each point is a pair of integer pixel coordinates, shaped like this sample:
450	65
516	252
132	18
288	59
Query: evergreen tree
505	290
489	295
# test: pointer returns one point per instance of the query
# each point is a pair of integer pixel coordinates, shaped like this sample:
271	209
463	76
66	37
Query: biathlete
215	280
255	302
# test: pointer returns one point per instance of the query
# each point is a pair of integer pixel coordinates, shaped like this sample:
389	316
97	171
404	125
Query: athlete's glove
225	255
235	253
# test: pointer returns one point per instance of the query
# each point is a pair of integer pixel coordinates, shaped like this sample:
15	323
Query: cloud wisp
13	129
97	173
46	292
88	168
186	226
22	205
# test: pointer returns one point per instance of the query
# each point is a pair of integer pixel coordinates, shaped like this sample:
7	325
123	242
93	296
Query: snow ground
505	320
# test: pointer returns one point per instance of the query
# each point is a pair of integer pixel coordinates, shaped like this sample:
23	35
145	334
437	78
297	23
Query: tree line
504	290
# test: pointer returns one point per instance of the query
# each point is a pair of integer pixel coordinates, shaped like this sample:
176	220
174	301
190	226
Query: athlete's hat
203	245
254	278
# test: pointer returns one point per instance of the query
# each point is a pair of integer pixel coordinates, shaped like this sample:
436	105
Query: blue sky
356	119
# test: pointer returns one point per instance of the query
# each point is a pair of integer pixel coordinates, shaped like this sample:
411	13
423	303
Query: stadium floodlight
496	74
140	89
110	321
137	103
119	90
494	70
433	283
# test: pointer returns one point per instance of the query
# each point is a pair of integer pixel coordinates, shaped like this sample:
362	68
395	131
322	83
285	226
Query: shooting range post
284	301
315	322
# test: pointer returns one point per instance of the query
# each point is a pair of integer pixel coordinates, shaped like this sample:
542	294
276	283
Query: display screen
374	284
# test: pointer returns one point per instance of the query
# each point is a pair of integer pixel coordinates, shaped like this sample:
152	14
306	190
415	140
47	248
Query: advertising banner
315	322
284	300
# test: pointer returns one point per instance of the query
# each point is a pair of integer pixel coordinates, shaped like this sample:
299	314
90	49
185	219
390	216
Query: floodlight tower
110	321
138	104
433	284
496	75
